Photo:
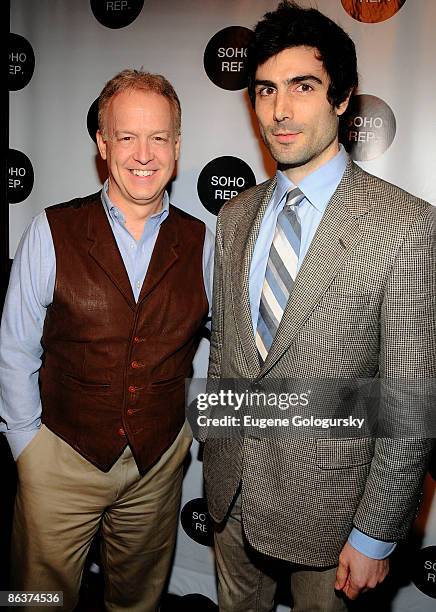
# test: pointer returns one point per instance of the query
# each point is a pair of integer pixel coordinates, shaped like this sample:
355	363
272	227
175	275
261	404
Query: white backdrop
75	55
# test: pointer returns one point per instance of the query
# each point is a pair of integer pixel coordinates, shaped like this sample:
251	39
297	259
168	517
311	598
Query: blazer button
130	412
257	388
136	339
132	388
121	432
135	364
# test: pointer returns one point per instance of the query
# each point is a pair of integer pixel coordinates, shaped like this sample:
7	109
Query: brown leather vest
114	370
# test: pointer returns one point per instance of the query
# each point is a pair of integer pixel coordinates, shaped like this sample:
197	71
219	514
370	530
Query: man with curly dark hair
322	273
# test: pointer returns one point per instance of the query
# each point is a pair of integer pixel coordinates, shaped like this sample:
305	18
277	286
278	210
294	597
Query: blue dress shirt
318	188
29	294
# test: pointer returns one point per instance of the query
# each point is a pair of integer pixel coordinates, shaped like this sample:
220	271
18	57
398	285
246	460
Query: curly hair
291	26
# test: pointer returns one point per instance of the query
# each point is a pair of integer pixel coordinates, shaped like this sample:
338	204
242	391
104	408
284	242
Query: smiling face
298	124
141	146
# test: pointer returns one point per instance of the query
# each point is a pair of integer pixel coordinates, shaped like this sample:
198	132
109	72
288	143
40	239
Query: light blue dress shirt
318	188
29	294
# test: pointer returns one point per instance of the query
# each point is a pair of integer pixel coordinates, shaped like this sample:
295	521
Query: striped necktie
281	271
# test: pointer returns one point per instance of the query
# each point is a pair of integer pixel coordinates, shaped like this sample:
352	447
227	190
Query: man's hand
357	573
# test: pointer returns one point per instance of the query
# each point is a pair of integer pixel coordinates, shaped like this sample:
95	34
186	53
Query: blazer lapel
245	238
336	237
104	250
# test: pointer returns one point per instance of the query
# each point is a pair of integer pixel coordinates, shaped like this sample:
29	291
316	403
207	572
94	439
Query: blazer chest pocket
345	301
338	312
344	453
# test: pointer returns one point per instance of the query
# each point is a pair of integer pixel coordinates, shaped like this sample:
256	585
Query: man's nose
283	107
143	151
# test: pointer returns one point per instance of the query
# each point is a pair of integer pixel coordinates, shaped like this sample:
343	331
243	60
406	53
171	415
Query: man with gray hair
105	309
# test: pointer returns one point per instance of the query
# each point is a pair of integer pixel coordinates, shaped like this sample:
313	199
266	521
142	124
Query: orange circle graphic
372	11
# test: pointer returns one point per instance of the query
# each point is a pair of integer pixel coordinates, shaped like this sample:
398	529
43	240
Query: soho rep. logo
432	466
20	176
194	602
424	571
372	11
225	57
92	120
21	62
196	521
367	128
116	13
221	179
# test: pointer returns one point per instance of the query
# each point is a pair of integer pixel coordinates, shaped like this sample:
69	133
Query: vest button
130	411
136	339
121	432
132	389
135	364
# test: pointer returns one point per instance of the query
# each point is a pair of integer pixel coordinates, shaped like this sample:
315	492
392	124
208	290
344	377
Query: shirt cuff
18	440
370	547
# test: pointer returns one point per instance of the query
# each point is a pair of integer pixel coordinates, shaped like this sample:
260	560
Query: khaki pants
62	500
247	579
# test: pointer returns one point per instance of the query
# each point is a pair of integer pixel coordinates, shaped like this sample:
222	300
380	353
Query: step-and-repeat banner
62	52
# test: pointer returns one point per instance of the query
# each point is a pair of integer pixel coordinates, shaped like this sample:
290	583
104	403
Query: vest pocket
167	384
73	382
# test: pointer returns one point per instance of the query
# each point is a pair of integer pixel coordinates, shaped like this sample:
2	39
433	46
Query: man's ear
177	146
101	143
340	110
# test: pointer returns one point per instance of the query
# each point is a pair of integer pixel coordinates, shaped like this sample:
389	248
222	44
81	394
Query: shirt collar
116	215
318	186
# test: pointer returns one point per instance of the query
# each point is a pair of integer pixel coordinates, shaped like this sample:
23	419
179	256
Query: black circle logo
221	179
368	127
20	176
21	62
196	521
116	13
194	602
92	120
225	57
372	11
424	571
198	603
432	466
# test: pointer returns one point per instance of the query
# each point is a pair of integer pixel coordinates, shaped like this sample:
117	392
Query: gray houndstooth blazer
363	306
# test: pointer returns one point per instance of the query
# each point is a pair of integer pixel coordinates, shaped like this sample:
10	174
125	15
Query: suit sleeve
215	358
214	372
407	375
